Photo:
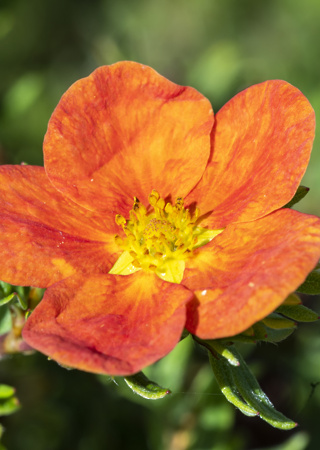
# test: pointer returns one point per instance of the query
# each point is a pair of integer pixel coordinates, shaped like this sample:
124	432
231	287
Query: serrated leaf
312	284
252	393
222	371
142	386
298	196
300	313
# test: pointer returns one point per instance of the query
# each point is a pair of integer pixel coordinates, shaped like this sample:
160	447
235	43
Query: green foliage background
219	47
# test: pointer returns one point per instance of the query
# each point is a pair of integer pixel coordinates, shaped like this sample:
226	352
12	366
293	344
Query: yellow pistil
160	240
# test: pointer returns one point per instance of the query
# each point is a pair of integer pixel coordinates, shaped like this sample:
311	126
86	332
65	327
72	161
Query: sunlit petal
124	131
248	270
109	324
45	237
261	145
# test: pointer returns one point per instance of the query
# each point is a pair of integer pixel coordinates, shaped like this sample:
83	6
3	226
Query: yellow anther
118	240
159	240
120	220
187	216
168	208
155	194
154	197
136	264
161	203
196	214
142	209
136	204
152	200
179	203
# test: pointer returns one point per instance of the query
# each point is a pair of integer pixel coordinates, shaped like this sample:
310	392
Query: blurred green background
219	47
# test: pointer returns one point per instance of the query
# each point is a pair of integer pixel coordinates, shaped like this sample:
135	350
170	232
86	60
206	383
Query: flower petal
45	237
249	270
261	143
108	324
124	131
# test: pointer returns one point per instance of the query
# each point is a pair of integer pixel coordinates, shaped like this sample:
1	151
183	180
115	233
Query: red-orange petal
261	143
124	131
109	324
46	237
249	270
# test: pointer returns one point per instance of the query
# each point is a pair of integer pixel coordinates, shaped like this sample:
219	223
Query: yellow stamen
161	240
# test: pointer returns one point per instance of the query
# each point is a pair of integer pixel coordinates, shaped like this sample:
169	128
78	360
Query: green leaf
14	295
241	388
224	351
246	337
222	371
22	302
273	328
9	406
5	320
260	331
8	402
300	313
312	284
243	338
6	391
265	333
278	322
219	347
7	299
6	288
252	393
298	196
274	335
142	386
292	299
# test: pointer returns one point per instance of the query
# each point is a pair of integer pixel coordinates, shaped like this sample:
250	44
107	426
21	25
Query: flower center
159	240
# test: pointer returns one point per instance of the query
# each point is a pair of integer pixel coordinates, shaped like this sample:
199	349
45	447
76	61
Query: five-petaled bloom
151	216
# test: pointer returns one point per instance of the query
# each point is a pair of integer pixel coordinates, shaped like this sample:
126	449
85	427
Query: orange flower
205	247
